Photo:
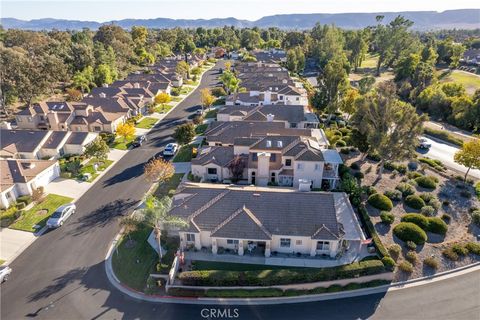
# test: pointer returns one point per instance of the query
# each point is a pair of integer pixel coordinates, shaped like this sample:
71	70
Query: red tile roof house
20	177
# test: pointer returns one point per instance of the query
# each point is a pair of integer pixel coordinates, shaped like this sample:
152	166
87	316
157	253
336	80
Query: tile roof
236	212
24	140
77	137
214	154
21	171
55	139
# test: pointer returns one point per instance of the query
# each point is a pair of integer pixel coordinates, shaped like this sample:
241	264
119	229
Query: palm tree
157	216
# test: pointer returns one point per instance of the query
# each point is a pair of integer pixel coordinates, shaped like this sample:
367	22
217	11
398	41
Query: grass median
146	123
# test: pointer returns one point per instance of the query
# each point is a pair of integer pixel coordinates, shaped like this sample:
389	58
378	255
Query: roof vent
256	194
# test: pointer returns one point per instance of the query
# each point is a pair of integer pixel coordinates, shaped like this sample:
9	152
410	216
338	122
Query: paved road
445	152
62	275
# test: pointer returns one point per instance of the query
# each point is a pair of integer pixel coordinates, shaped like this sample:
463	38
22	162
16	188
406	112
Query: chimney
270	117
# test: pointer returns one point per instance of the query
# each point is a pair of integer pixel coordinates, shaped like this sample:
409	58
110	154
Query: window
298	98
273	157
298	242
280	97
212	170
300	166
317	167
232	241
97	129
254	156
323	245
30	119
284	242
191	237
293	125
272	179
288	162
328	166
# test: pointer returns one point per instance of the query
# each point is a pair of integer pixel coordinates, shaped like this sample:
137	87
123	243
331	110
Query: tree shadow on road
127	174
103	215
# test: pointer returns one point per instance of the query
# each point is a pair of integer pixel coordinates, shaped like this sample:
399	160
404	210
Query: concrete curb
277	300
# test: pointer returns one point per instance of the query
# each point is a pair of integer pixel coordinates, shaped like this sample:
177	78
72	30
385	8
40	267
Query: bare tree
158	170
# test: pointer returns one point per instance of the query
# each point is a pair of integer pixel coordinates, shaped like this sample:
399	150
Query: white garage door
47	176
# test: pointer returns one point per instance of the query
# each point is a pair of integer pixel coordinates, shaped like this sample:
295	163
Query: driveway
445	152
13	242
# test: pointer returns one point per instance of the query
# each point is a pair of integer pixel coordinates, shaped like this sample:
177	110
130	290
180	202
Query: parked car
170	149
199	112
58	218
139	141
4	273
424	144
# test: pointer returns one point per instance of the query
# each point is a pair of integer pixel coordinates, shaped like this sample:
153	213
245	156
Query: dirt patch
41	212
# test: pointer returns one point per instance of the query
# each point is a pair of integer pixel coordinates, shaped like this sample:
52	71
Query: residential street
445	152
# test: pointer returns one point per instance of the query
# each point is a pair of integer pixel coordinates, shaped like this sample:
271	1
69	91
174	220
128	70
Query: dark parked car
139	141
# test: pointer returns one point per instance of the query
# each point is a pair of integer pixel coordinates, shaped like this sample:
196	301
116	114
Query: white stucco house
20	177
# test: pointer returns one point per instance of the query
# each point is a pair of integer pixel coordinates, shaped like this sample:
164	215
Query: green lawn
186	90
176	99
200	129
213	265
124	259
162	108
211	114
185	153
146	123
169	187
32	217
471	82
121	143
88	168
2	262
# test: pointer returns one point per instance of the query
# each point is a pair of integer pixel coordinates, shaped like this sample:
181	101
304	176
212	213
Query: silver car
4	273
61	215
170	149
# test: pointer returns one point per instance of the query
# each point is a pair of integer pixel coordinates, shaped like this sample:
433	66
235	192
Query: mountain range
424	20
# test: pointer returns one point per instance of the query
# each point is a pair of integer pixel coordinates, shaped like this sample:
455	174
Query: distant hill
424	20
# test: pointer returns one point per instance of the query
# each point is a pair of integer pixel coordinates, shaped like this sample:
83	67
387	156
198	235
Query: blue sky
106	10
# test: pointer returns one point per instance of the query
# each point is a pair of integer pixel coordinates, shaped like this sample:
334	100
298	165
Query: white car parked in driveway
61	215
4	273
170	149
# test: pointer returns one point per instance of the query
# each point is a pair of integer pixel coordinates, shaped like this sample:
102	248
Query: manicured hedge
426	182
415	202
380	201
279	276
437	225
367	222
416	218
443	135
431	224
387	217
408	231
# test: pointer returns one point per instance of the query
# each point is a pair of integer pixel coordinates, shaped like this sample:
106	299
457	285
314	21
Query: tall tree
126	131
207	98
184	133
159	170
469	155
98	149
332	84
391	126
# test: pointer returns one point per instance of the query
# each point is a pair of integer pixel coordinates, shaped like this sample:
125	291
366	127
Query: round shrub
359	175
476	217
428	211
414	201
355	166
473	248
380	201
416	218
431	262
394	195
414	175
437	225
447	218
411	245
407	231
405	189
427	197
388	262
426	182
406	266
411	257
340	143
460	249
387	217
435	203
394	250
369	190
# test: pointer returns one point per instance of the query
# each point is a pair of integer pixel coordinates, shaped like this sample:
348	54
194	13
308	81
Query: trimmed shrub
218	92
340	143
428	211
380	201
476	217
437	225
406	266
414	175
459	249
389	263
414	201
416	218
405	189
25	199
369	190
359	175
394	195
355	166
450	254
436	164
473	248
373	157
411	257
411	245
447	218
279	276
407	231
387	217
394	251
431	262
435	203
426	182
66	175
427	197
